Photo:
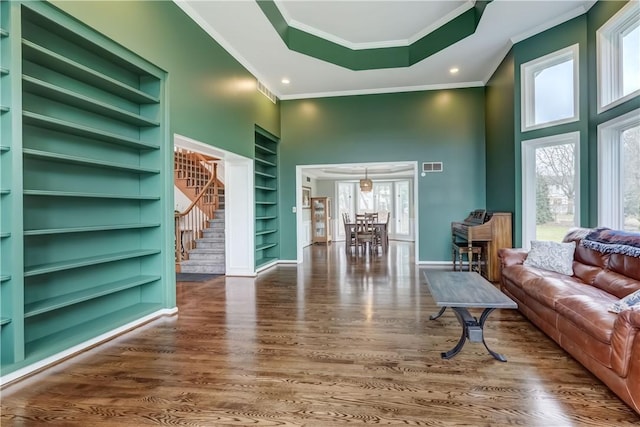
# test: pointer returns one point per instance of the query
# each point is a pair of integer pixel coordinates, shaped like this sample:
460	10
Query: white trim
527	88
496	64
610	161
299	223
529	147
198	19
76	349
239	202
580	10
608	51
377	44
436	265
618	101
461	85
266	266
239	218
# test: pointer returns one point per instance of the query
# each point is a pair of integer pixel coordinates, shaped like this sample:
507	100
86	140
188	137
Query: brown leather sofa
573	311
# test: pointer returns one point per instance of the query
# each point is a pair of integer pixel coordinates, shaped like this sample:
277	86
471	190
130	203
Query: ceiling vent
432	167
266	92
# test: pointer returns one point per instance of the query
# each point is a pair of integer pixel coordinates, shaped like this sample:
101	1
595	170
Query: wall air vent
266	92
432	167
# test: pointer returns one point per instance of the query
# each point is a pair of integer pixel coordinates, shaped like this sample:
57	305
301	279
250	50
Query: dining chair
349	232
365	232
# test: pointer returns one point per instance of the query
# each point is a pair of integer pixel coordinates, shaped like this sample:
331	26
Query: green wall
504	102
212	98
559	37
499	134
443	125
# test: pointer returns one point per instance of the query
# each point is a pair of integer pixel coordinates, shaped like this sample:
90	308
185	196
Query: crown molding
202	23
371	45
376	91
580	10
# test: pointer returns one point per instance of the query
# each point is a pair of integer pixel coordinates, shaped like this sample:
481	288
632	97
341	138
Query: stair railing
190	223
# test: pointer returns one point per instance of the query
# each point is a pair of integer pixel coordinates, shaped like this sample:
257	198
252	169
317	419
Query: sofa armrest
626	330
511	256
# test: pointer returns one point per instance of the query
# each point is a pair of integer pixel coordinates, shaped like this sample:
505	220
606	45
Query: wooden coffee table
460	290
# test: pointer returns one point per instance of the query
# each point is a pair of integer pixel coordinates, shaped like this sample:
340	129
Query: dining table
381	229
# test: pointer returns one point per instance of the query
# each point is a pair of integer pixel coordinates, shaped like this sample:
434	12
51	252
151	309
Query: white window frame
528	70
609	51
529	147
610	169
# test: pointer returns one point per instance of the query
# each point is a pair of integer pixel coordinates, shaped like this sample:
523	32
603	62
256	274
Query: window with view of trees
619	172
550	187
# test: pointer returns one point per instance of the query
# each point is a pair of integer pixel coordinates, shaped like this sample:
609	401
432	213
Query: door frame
239	205
299	223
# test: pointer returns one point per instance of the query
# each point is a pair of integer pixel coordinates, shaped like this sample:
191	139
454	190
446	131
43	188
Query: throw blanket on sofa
607	241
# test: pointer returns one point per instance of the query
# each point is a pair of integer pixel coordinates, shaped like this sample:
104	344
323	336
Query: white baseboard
75	350
436	265
266	266
240	272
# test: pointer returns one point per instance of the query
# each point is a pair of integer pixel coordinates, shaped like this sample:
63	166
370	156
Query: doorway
394	191
236	172
392	196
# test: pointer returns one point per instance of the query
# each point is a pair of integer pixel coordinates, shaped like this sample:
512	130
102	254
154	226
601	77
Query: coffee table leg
473	329
440	313
483	318
463	338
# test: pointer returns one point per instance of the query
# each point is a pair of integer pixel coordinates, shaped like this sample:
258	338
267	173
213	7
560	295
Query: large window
550	186
550	89
619	172
619	57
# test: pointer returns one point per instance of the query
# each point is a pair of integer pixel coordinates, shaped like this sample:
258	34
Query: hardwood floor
337	340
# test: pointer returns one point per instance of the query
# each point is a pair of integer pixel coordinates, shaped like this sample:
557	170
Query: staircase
200	227
208	255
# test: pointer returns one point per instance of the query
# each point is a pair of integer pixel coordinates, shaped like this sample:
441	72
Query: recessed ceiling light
453	70
285	81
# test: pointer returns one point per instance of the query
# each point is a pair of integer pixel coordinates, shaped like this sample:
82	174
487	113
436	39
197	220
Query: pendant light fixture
366	184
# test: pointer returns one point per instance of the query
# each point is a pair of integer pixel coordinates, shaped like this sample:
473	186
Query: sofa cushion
585	255
625	265
626	303
589	313
586	272
552	256
519	274
615	283
548	289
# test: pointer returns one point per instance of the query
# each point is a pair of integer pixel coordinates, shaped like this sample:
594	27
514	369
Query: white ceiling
241	28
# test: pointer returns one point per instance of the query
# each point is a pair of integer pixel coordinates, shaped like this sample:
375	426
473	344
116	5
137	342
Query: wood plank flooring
338	340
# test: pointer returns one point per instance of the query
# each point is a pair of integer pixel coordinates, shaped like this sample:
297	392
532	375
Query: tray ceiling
244	30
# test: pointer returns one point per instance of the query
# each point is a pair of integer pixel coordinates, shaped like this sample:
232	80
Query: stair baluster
197	176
